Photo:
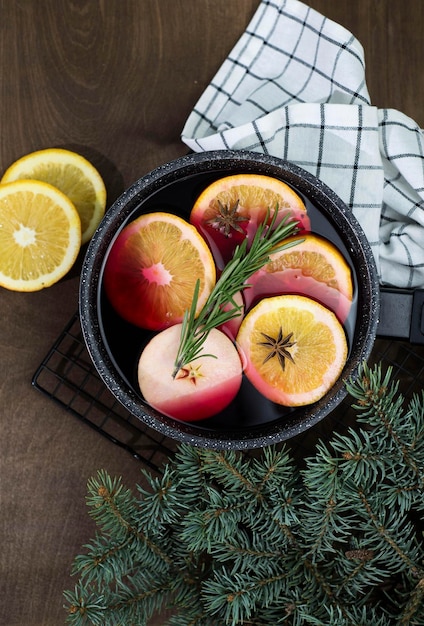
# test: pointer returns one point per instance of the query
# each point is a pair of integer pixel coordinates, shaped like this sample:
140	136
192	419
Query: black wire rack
68	376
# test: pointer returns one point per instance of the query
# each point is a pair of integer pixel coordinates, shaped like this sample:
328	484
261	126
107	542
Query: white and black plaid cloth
294	87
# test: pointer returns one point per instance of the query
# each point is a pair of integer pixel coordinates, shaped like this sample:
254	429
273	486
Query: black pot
115	345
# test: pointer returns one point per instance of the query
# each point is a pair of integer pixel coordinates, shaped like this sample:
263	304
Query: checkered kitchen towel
294	87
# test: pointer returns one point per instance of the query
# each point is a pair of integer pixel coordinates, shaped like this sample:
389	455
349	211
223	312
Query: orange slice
40	235
152	269
295	349
70	172
231	208
313	267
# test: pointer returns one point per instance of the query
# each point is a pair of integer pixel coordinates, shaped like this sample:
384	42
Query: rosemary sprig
233	279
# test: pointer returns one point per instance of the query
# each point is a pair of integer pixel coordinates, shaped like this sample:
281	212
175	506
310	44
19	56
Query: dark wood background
115	80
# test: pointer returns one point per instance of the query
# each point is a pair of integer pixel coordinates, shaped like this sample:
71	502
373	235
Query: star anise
227	219
191	372
278	347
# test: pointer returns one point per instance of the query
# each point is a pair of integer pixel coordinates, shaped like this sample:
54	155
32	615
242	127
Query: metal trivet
68	376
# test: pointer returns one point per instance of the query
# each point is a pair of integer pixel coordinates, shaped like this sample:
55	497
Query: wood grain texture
394	48
115	79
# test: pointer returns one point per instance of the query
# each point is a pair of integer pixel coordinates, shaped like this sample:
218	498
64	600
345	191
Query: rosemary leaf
243	264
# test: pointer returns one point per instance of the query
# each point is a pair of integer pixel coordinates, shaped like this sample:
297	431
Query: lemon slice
72	174
40	235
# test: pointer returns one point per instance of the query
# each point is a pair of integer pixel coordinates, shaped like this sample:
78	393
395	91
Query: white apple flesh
202	388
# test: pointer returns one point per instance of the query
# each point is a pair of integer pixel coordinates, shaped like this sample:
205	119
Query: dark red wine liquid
125	342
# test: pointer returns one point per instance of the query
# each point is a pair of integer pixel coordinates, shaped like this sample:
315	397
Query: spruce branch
113	507
398	538
229	538
415	601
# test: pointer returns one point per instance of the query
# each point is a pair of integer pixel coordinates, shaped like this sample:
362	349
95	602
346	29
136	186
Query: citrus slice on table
40	235
295	349
231	208
72	174
313	267
152	269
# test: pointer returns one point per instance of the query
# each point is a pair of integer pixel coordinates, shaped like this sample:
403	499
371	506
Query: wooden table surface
115	80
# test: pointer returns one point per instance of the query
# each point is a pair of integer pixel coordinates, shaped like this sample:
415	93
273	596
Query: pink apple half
201	389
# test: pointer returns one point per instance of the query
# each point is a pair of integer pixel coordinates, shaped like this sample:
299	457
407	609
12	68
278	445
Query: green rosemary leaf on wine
243	264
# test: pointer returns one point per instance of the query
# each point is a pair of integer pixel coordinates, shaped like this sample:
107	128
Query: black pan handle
401	314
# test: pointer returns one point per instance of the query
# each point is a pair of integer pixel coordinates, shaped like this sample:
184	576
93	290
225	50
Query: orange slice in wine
152	268
294	348
313	267
231	208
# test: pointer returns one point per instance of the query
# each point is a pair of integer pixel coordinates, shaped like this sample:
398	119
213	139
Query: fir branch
100	552
233	596
274	470
161	500
122	606
358	573
326	511
84	606
414	605
231	471
213	524
226	538
110	504
397	538
359	460
379	406
113	508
